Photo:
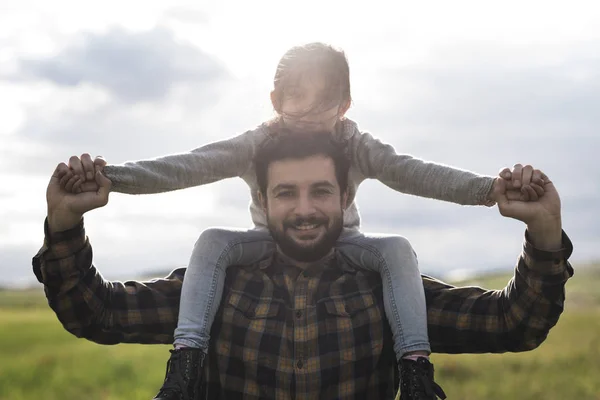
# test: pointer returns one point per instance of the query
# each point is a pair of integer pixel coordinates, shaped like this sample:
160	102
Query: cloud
132	66
124	95
185	120
102	96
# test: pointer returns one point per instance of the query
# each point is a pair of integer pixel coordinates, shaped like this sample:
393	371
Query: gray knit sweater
370	158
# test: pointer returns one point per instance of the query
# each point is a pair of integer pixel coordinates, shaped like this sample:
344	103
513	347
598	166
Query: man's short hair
285	145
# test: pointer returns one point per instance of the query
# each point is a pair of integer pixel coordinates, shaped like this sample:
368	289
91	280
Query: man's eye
285	194
322	192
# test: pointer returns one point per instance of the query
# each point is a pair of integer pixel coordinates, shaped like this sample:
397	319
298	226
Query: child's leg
215	250
403	295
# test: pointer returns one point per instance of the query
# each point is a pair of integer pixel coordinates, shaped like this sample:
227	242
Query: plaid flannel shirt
282	333
340	328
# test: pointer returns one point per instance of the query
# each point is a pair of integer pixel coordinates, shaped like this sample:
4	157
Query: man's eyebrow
283	186
323	184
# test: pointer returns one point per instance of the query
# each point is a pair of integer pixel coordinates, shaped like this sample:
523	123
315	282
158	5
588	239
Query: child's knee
397	246
399	242
216	237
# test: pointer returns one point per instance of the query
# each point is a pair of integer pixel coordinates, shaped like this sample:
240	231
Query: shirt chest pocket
248	323
353	327
252	308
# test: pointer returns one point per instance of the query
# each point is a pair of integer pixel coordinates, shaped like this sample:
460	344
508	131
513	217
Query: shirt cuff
548	262
66	242
57	246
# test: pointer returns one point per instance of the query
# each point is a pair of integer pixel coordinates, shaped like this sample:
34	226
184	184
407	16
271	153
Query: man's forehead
304	171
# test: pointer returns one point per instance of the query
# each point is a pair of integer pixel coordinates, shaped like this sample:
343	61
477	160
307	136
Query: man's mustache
298	221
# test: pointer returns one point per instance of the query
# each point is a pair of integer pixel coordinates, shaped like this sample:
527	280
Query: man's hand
542	215
65	208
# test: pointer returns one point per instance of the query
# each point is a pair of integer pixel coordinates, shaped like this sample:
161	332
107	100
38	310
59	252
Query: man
304	324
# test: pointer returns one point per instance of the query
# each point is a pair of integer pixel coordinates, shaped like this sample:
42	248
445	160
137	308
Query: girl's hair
314	59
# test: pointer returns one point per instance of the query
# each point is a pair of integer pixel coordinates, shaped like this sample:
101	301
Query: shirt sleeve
516	318
106	312
411	175
210	163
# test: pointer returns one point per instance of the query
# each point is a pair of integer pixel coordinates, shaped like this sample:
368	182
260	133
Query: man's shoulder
177	274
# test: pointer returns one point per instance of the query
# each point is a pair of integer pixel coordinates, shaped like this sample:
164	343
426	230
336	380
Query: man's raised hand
66	208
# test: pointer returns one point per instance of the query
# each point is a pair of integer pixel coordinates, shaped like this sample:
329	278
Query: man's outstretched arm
106	312
516	318
87	304
520	316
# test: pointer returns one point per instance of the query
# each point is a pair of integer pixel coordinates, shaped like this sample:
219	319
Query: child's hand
80	177
529	180
523	183
521	176
71	182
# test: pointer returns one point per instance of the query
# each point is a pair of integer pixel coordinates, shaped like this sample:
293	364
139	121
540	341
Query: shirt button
299	364
298	314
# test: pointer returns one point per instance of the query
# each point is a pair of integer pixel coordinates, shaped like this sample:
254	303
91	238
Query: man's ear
345	200
263	201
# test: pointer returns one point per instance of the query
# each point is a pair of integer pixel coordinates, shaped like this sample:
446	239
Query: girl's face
305	107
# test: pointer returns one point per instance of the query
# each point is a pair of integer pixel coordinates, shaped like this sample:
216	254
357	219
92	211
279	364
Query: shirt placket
301	335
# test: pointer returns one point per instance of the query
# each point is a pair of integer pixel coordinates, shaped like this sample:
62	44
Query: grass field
39	360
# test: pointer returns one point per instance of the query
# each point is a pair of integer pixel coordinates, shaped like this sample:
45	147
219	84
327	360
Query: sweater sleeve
410	175
210	163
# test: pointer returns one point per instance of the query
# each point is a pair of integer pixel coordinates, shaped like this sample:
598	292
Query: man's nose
305	205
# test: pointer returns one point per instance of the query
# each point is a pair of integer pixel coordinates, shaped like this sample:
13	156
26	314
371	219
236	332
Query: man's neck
302	264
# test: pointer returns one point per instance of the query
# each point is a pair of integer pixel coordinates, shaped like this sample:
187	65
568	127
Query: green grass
565	366
40	360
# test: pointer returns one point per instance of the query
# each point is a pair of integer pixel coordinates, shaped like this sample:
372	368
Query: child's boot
183	379
416	380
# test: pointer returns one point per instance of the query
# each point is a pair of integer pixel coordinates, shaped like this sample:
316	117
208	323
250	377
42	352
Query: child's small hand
81	174
522	175
523	183
527	179
71	182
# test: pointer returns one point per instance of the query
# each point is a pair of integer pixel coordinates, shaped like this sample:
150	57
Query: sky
477	85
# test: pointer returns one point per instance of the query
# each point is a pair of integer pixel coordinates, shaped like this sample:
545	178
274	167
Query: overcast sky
465	83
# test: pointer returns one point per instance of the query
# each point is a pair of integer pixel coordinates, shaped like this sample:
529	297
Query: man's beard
316	250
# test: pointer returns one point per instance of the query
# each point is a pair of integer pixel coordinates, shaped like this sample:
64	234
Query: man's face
304	207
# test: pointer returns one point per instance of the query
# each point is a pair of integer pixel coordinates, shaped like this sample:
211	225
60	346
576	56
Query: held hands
536	203
81	175
524	183
67	200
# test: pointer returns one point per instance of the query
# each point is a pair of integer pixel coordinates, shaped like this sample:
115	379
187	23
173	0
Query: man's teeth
306	227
